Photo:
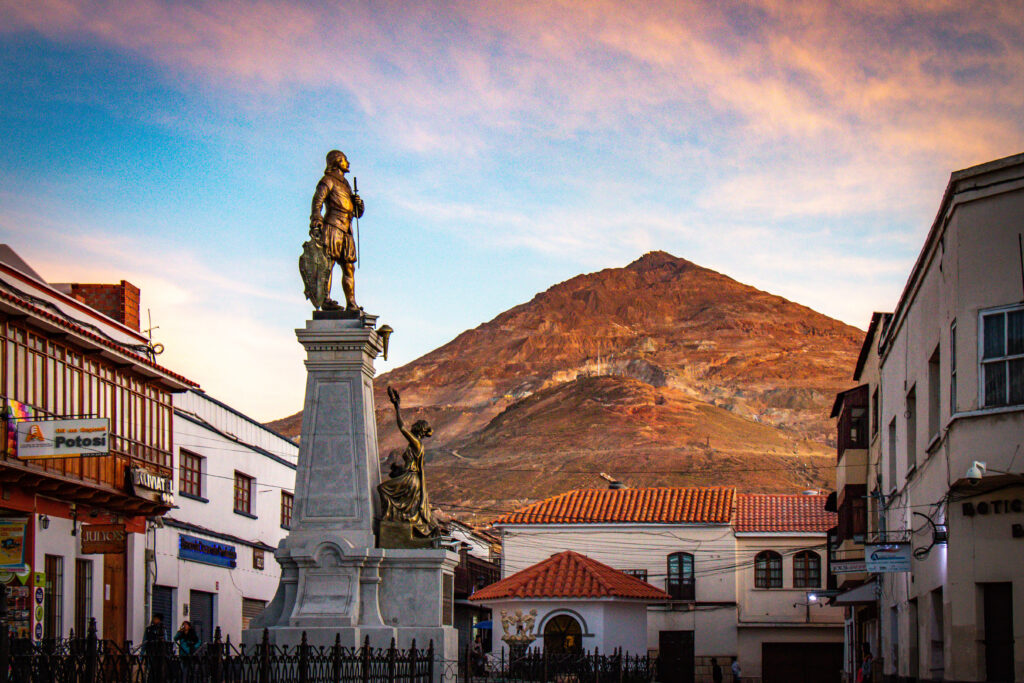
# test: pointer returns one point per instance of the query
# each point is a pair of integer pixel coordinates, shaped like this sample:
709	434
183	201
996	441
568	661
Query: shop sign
849	566
208	552
145	484
101	539
1000	506
12	543
47	439
887	558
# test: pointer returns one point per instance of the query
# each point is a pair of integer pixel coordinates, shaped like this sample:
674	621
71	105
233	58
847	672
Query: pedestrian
153	635
186	639
478	655
736	669
864	672
716	671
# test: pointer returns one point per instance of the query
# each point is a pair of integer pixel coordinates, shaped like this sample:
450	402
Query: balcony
473	573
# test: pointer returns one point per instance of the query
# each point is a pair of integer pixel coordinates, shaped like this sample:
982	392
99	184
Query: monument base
401	535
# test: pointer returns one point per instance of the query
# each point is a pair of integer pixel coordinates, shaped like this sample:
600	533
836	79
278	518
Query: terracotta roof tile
670	505
570	575
783	512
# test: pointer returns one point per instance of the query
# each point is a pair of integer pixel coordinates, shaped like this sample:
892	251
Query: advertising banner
45	439
100	539
14	411
887	558
12	543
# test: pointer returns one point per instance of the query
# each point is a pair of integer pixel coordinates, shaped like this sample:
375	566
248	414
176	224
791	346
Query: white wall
226	441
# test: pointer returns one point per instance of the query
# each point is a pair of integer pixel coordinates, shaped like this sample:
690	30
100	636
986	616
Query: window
874	412
636	573
679	584
243	493
53	613
287	503
190	474
563	635
933	394
911	417
83	596
952	368
768	570
251	609
806	570
892	454
1002	357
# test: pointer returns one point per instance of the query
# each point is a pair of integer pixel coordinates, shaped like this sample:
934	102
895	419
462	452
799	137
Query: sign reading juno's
45	439
101	539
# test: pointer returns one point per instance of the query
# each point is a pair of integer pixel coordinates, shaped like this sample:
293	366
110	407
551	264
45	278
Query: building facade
214	555
70	352
949	401
742	572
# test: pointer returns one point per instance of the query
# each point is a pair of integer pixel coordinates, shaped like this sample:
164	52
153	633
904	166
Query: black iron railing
541	667
92	660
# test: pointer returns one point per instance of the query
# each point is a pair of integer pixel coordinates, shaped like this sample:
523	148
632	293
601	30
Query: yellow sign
12	543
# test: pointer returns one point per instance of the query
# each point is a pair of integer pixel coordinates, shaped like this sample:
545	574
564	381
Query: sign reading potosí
42	439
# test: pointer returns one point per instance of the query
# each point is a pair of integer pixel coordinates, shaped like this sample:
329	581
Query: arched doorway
563	635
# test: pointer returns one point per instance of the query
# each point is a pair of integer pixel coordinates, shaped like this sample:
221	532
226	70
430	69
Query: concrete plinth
334	578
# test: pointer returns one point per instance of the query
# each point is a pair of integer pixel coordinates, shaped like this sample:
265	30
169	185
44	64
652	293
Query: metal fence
92	660
540	667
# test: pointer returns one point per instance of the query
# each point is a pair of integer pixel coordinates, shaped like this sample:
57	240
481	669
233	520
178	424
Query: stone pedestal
334	578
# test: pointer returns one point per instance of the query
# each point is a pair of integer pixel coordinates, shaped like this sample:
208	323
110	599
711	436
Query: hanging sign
46	439
12	543
102	539
888	558
151	486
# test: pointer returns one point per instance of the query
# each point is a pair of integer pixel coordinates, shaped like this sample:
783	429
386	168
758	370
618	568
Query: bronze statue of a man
333	229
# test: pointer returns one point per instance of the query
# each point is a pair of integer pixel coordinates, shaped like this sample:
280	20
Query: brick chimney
120	302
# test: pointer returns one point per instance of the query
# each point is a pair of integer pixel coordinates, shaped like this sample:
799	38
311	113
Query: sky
500	148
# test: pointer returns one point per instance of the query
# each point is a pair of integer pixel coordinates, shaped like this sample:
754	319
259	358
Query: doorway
115	598
200	613
675	656
563	635
998	598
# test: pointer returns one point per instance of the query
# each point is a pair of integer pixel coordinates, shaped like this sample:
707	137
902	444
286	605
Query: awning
863	593
483	625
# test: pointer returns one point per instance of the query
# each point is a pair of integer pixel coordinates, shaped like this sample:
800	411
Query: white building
949	392
743	572
234	481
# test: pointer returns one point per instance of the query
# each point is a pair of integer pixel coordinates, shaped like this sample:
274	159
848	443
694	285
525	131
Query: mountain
659	373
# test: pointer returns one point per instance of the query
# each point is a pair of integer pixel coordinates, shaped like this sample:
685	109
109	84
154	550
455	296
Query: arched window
563	635
806	569
680	577
768	569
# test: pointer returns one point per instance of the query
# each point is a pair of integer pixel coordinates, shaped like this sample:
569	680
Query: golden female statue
403	497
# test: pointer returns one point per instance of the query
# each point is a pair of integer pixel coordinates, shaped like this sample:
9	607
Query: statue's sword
355	186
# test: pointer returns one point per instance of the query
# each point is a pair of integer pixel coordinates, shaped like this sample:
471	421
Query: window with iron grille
680	584
1002	357
637	573
53	613
83	596
190	474
806	570
243	493
287	503
768	570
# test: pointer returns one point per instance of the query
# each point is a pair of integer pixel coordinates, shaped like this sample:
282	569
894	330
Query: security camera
975	472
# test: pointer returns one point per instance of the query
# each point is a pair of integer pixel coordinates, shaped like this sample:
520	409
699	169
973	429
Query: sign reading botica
45	439
101	539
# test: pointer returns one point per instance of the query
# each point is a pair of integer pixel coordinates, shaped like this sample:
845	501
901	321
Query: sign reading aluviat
46	439
887	558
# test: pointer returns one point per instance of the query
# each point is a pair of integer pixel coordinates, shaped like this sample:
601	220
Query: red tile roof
570	575
670	505
783	512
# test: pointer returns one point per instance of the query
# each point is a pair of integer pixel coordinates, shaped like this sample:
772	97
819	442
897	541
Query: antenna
149	330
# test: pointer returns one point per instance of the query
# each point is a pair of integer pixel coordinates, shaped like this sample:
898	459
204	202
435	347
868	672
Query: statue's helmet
337	159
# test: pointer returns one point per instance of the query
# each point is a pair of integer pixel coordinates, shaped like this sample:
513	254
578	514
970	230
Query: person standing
736	673
716	671
153	636
186	639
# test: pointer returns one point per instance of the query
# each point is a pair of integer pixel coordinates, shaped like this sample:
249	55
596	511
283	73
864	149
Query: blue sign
208	552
